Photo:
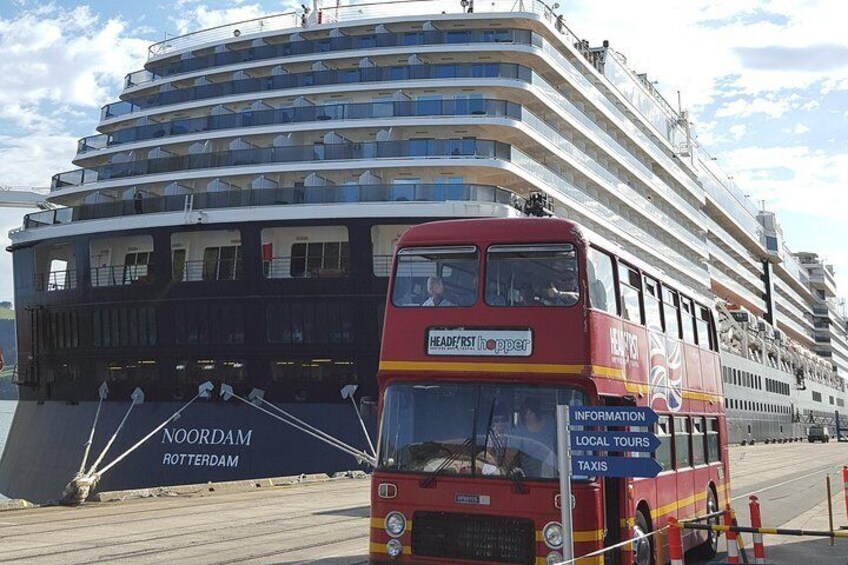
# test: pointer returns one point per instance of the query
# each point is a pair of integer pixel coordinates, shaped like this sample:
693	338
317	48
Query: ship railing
120	275
295	47
208	270
279	196
302	267
329	11
234	30
55	280
482	107
382	265
349	150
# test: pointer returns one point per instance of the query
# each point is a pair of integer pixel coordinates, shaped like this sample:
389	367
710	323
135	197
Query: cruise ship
233	218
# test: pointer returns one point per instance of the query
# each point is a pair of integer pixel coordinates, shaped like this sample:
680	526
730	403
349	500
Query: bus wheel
643	553
709	548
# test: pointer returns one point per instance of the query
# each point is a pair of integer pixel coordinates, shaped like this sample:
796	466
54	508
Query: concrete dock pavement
325	522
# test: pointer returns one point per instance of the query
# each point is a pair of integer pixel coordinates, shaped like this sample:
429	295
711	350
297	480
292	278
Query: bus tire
643	550
709	548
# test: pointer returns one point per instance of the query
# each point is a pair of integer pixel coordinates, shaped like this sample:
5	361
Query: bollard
757	522
732	548
740	541
845	488
675	542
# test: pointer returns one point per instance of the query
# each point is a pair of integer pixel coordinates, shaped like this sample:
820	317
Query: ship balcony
208	270
822	279
452	71
292	48
121	275
415	148
358	13
55	280
466	106
319	266
280	196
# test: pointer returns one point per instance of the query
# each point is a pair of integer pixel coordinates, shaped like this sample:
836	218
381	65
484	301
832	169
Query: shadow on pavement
809	552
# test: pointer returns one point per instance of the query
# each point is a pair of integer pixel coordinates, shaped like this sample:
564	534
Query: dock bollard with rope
675	542
757	522
732	547
85	482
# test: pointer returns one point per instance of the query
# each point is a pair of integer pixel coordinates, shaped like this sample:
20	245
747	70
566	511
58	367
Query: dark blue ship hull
211	441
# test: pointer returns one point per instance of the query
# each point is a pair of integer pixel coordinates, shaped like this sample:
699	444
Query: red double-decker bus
491	324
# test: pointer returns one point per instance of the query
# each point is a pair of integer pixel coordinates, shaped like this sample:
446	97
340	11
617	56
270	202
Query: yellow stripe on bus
579	537
536	368
380	524
480	367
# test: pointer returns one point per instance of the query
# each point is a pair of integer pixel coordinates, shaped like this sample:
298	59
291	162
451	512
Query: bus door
615	498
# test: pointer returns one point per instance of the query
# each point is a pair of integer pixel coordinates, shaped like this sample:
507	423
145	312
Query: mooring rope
297	423
103	392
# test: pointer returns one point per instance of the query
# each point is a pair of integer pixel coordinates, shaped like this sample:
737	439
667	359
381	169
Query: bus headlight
552	532
553	557
395	524
394	548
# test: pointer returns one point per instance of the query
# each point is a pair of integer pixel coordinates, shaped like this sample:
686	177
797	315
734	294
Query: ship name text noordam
204	436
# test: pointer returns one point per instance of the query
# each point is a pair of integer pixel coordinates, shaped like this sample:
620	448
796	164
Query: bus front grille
473	537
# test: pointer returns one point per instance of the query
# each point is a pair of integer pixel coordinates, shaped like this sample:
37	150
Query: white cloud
66	56
738	131
800	129
743	108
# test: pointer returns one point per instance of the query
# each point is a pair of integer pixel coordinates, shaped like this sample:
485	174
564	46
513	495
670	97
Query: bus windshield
436	276
531	275
473	429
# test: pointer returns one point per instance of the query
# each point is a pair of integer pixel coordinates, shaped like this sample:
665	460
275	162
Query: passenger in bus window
564	292
436	290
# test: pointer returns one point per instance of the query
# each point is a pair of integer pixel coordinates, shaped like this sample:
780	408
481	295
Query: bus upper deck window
436	276
531	275
601	278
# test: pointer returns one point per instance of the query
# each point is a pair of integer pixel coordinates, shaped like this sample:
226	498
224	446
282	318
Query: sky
765	81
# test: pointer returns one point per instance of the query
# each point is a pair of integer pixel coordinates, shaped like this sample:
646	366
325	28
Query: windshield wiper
512	472
427	481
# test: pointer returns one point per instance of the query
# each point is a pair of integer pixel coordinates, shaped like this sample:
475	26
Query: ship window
631	293
670	312
58	329
436	276
131	373
531	275
194	372
317	259
219	264
309	322
313	380
599	272
687	319
209	324
124	327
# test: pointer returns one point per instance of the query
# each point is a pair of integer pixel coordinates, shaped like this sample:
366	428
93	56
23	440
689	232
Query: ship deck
326	521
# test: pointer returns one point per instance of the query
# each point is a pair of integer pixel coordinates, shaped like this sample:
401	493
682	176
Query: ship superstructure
233	218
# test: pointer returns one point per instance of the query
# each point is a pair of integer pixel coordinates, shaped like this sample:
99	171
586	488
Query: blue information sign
614	466
624	416
642	442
